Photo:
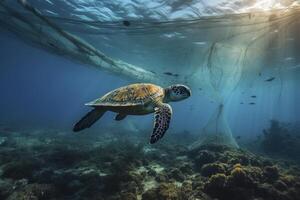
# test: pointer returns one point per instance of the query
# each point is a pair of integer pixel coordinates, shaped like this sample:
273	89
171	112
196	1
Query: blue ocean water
236	137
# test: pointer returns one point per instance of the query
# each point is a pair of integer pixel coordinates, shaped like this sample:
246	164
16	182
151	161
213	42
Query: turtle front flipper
162	117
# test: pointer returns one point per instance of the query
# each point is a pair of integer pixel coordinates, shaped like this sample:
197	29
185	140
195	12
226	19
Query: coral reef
37	165
281	139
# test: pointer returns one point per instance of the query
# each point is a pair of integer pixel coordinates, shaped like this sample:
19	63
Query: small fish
253	96
251	103
238	137
171	74
168	73
126	23
51	44
242	103
270	79
199	88
259	74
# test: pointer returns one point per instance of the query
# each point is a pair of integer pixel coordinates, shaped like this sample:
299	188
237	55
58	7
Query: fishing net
216	47
216	132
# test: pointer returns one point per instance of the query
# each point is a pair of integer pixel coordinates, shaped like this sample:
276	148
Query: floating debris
270	79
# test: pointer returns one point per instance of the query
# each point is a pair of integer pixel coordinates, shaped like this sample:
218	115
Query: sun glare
266	5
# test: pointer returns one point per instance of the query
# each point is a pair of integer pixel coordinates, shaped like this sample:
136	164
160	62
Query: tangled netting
217	52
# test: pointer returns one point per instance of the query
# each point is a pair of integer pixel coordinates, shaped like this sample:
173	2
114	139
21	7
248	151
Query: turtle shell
131	95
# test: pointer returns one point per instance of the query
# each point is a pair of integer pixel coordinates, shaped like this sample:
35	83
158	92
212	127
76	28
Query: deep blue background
43	90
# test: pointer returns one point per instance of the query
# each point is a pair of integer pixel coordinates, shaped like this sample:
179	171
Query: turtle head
177	92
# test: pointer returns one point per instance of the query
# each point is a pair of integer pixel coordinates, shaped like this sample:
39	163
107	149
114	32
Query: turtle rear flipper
162	119
89	119
120	116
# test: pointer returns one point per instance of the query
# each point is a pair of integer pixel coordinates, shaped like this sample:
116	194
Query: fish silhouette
270	79
126	23
168	73
171	74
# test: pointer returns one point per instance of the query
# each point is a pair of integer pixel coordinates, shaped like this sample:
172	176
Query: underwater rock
6	188
271	173
65	157
280	185
266	191
112	173
198	182
204	157
186	168
289	180
131	187
74	185
267	162
255	173
65	181
34	192
150	194
213	168
168	191
112	184
186	190
122	181
165	191
161	178
240	178
176	174
21	169
152	172
215	185
128	196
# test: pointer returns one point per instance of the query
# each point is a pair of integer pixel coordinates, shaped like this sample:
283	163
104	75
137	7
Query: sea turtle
137	99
